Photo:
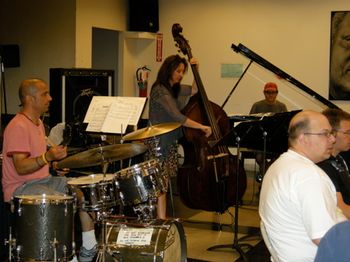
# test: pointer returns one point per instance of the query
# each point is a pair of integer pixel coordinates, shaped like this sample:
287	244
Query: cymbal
99	155
151	131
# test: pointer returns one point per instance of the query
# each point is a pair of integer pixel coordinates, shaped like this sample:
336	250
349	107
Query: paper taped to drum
134	236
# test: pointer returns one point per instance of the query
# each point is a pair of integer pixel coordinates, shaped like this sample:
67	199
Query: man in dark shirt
268	105
335	167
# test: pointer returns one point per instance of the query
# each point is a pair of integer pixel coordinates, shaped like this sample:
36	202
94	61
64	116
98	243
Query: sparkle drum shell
44	227
140	182
98	191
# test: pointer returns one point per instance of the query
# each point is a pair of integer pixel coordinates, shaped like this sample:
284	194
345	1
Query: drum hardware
168	167
44	226
93	157
146	210
151	131
11	242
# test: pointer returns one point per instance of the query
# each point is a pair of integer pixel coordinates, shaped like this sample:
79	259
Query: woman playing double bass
166	101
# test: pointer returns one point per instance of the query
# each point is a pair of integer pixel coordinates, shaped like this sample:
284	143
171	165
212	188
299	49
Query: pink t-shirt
21	136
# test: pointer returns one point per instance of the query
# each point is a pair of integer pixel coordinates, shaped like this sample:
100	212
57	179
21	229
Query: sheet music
113	114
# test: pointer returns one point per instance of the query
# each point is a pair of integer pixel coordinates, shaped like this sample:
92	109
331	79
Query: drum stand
147	210
11	242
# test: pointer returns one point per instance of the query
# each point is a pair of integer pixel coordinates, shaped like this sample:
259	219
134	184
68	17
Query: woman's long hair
166	71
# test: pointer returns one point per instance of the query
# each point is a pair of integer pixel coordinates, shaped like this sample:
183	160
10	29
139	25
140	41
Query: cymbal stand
11	242
235	245
101	255
102	249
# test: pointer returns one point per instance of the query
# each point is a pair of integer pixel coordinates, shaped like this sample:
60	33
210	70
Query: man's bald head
29	87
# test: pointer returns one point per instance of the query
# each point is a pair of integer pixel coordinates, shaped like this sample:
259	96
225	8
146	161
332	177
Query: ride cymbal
103	154
151	131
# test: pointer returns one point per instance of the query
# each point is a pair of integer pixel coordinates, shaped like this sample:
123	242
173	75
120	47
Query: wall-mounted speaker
9	55
72	91
143	15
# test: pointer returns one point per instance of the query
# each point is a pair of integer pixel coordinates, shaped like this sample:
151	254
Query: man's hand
56	153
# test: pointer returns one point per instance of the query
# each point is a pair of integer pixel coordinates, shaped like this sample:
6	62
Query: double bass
209	178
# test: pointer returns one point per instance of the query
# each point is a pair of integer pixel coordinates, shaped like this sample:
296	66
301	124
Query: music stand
235	244
253	134
276	126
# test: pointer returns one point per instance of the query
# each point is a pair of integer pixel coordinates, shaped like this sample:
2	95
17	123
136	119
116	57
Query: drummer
26	160
166	97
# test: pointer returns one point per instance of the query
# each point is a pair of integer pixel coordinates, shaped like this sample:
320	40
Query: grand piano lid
254	57
269	133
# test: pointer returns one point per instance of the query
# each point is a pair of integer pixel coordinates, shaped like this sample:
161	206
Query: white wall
293	35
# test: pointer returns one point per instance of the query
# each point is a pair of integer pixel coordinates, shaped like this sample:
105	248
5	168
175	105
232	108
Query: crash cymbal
99	155
151	131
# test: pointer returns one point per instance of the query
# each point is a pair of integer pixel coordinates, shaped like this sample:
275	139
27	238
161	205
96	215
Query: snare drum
44	227
152	240
98	190
140	182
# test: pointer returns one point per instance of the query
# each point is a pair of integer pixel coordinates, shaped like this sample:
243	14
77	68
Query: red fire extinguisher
142	74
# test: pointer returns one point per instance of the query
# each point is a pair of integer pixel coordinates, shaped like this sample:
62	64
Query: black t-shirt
337	169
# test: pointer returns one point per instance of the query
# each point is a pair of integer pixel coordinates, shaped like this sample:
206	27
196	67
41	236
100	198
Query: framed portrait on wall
339	62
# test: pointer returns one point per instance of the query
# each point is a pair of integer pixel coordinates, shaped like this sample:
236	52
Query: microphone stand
235	245
263	166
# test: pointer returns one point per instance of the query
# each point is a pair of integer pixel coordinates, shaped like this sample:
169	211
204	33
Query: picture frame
339	62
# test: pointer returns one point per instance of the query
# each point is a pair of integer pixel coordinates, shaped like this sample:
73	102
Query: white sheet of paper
113	114
135	236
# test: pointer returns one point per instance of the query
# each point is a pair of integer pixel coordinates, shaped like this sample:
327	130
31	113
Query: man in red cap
269	104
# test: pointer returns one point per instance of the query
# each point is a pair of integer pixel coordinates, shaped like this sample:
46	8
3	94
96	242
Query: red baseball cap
270	86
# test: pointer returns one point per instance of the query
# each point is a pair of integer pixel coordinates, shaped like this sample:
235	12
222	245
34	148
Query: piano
265	132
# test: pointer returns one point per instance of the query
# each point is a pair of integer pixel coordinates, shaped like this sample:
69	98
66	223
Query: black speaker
143	15
72	91
10	55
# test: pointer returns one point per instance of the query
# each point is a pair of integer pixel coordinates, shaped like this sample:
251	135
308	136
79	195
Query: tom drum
138	183
98	191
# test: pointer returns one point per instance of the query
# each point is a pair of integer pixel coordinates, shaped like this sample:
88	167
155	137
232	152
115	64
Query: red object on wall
159	47
142	74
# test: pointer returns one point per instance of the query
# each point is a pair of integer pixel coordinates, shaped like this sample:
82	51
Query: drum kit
44	223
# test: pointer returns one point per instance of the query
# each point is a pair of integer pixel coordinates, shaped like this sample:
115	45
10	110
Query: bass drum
132	240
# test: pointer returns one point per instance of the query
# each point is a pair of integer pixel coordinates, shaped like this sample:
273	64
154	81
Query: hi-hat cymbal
99	155
151	131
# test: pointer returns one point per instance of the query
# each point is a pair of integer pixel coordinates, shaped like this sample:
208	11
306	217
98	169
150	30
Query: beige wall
293	35
53	34
45	33
108	14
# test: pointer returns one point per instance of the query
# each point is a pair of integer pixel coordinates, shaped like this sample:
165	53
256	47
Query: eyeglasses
270	92
325	133
344	132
